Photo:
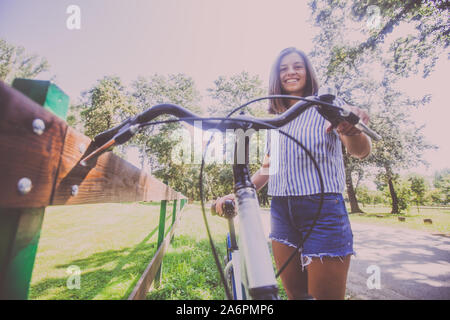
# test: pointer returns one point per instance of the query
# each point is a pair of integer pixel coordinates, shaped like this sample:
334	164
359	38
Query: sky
201	38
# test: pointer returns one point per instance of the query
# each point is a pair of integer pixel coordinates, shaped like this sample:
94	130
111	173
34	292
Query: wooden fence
39	167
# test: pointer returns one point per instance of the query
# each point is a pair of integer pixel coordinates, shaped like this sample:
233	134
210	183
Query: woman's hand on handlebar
348	129
221	201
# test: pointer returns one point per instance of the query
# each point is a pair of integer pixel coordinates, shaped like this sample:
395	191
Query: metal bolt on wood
74	190
24	186
38	126
82	148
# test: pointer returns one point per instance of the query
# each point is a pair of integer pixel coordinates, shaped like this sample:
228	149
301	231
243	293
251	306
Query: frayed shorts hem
306	258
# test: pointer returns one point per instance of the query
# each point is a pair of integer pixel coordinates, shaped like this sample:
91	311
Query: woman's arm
260	178
358	145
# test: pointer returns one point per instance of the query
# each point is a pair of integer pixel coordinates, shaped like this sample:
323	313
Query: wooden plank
107	178
143	285
25	153
51	162
20	230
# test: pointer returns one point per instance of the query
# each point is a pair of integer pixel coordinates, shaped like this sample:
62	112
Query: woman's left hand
347	129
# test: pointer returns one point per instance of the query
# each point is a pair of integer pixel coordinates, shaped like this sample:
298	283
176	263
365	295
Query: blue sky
201	38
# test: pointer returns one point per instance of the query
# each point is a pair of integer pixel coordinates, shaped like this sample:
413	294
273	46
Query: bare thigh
327	278
294	280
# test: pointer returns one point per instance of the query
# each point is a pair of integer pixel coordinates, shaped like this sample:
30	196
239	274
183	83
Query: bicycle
250	263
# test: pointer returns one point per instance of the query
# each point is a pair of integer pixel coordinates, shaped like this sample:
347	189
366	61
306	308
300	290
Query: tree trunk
395	209
354	207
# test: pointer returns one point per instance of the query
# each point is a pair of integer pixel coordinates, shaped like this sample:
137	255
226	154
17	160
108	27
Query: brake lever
336	115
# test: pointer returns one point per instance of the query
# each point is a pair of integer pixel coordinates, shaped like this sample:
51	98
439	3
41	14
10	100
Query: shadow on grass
129	263
189	272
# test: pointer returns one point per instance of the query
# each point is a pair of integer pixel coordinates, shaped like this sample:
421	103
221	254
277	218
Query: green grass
189	270
413	218
112	244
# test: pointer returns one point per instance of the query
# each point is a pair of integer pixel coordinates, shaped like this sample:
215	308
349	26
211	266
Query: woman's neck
291	102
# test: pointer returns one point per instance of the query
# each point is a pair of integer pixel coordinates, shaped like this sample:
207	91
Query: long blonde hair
275	88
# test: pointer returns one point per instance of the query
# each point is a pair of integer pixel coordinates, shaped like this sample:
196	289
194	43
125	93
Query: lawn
110	243
113	243
189	270
413	218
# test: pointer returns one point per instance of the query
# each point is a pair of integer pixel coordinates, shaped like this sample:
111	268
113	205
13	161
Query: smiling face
293	74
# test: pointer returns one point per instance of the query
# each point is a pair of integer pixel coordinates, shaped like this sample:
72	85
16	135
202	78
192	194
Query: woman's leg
327	278
294	280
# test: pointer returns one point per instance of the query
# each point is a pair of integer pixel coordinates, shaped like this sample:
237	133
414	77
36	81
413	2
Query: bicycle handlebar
222	125
124	131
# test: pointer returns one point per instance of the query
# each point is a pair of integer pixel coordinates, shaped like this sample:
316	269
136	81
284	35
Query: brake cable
299	247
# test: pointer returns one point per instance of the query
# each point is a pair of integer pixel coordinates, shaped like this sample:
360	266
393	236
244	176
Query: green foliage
368	196
231	93
418	189
348	50
424	43
235	91
442	184
16	63
107	105
159	144
404	194
363	195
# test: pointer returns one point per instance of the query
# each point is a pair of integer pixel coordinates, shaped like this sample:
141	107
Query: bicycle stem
259	275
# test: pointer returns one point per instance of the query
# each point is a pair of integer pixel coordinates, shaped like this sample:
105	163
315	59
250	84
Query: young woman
295	188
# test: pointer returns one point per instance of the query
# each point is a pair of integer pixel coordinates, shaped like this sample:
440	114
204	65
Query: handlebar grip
361	126
107	135
228	209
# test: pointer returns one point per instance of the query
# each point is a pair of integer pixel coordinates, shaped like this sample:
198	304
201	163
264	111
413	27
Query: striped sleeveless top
292	172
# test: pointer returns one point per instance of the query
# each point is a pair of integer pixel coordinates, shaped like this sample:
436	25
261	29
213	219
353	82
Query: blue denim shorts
292	217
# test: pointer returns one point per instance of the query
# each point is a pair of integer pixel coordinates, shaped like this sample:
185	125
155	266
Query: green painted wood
162	224
46	93
174	211
20	229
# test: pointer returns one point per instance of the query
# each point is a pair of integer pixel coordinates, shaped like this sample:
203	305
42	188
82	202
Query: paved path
410	264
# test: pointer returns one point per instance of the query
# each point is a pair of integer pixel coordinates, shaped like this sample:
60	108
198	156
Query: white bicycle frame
251	262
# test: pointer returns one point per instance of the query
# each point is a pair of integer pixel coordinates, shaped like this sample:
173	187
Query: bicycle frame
255	269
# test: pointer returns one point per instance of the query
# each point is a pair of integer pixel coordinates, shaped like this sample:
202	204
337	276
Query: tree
427	39
418	190
160	143
403	193
231	93
16	63
347	52
363	194
235	91
441	182
106	105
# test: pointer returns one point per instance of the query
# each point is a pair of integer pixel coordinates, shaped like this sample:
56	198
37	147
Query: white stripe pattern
292	172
